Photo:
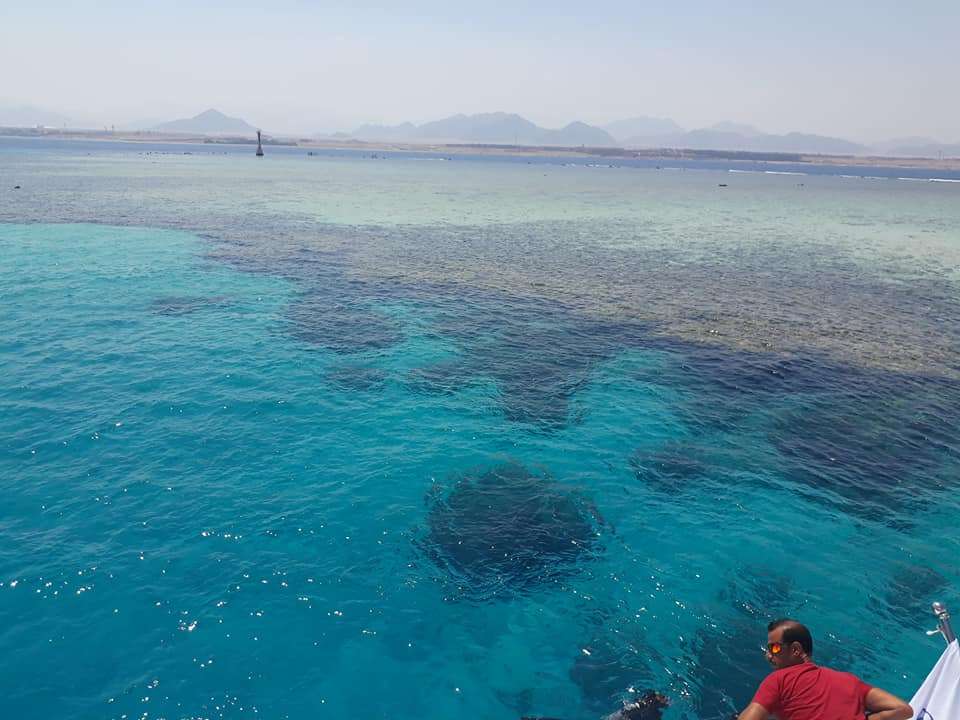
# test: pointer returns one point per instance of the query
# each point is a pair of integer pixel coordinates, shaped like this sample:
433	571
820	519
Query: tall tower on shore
259	145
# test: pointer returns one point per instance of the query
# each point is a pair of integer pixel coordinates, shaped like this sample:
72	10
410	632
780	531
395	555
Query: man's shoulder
776	677
840	675
798	669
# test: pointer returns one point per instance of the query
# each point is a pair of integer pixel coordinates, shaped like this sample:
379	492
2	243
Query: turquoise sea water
330	436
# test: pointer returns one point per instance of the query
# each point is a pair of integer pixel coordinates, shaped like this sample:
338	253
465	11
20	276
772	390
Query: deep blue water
252	471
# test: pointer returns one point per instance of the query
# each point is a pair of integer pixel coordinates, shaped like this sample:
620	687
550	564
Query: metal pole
943	623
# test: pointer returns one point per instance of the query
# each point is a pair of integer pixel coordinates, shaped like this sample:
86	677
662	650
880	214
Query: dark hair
793	632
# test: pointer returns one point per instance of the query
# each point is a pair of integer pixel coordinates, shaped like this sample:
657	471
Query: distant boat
259	145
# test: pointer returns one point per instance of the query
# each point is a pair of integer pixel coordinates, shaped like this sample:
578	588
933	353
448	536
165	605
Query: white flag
939	696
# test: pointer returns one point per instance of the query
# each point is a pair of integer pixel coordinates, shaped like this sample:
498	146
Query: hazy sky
862	70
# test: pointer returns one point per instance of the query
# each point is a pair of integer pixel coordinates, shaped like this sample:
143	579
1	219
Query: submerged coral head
507	529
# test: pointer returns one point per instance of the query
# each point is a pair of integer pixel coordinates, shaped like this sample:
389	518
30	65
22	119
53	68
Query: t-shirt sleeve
768	694
862	690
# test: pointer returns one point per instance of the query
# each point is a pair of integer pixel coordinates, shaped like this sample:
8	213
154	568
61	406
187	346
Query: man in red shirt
799	690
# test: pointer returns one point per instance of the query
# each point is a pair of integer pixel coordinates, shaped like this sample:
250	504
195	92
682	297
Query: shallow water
242	401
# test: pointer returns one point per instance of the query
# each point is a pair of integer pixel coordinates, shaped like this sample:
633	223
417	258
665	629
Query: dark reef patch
507	530
442	378
186	304
356	378
884	446
674	467
756	374
869	442
728	660
334	310
342	327
615	661
874	444
607	674
911	590
539	353
538	390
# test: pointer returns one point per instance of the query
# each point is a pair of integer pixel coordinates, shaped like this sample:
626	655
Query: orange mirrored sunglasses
775	648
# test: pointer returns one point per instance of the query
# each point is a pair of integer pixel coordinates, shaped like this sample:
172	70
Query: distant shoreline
601	153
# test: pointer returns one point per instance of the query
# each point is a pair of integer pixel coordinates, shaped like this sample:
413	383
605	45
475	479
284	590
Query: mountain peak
210	113
496	128
209	122
739	128
642	126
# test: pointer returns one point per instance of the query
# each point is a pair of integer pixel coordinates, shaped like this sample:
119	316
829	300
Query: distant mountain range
502	128
488	128
733	136
642	127
30	116
930	150
918	147
638	132
656	133
209	122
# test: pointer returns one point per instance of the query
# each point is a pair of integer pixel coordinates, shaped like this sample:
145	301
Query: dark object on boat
609	663
16	187
649	706
722	185
259	145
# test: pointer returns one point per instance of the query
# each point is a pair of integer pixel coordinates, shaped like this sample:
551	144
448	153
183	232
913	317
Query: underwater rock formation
186	304
507	529
875	444
879	460
441	378
671	468
318	320
539	354
356	377
909	593
609	671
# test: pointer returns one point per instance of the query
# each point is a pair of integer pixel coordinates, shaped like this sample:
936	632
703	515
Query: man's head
788	643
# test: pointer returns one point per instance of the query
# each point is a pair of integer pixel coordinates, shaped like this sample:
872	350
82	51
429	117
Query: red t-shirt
810	692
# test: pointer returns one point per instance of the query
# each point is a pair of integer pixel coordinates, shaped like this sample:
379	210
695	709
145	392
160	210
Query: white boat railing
943	623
